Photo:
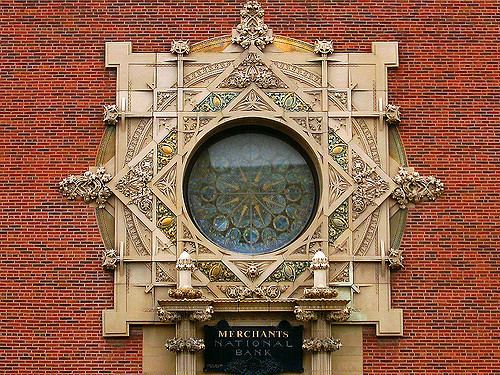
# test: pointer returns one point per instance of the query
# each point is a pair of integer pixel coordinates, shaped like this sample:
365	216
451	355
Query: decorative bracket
413	188
252	29
90	186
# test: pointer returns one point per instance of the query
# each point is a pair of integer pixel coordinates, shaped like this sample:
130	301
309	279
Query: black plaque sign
253	350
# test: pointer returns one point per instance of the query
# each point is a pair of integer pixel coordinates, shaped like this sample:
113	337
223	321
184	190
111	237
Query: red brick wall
53	83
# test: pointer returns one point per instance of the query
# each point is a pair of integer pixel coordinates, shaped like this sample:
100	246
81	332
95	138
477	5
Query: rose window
251	191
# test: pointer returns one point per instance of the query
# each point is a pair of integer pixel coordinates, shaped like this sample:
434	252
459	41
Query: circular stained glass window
251	192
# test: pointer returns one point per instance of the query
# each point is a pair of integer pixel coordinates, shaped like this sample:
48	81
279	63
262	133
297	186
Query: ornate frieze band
191	345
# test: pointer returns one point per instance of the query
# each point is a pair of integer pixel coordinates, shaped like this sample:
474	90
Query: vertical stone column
185	361
321	360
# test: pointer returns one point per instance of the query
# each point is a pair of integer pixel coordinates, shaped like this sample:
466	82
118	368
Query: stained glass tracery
251	192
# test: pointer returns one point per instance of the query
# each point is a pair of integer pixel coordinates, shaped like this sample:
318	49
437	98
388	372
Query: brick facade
53	83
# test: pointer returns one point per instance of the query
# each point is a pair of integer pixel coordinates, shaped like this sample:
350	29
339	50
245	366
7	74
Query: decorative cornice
326	293
202	316
339	316
110	115
321	345
185	293
109	259
252	29
413	188
304	315
395	259
168	316
392	114
191	345
323	47
90	186
180	47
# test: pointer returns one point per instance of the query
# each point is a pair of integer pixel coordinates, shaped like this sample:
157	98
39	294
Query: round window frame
264	125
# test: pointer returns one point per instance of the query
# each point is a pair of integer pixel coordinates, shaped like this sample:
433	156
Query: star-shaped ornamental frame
334	104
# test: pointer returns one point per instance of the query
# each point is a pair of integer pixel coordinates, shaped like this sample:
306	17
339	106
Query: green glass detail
288	271
216	271
166	221
166	149
337	148
338	221
289	101
215	102
251	192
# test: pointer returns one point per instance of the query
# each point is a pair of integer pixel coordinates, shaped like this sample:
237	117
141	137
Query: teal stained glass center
251	192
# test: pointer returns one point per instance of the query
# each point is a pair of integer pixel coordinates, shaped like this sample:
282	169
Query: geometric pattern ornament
252	157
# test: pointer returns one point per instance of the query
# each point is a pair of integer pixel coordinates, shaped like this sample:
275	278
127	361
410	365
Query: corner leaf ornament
180	47
110	115
252	29
90	186
323	47
413	188
392	114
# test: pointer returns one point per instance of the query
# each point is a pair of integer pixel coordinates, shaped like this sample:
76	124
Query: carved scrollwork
323	47
339	316
392	114
324	293
369	185
413	188
180	47
90	186
168	316
253	70
252	29
110	115
395	259
134	185
109	259
304	315
185	293
241	292
191	345
322	345
202	316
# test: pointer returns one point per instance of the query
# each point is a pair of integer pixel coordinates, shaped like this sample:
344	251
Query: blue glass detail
251	192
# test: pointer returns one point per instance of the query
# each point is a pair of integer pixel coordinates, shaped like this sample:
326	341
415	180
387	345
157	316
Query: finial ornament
392	114
180	47
110	115
413	188
323	47
90	186
252	29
